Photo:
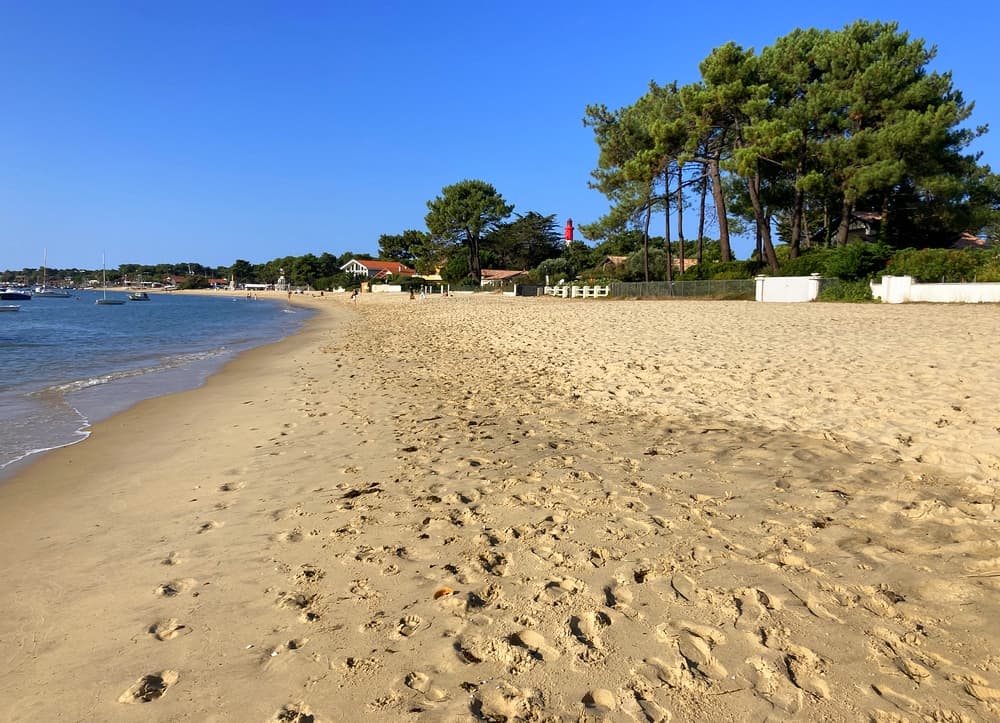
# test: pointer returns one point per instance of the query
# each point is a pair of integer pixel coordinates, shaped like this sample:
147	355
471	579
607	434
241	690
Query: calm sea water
67	363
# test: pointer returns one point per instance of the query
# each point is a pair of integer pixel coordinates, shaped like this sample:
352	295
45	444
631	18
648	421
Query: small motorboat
14	294
10	307
138	296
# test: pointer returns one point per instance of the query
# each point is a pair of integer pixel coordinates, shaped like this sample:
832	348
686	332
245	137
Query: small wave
77	435
172	362
81	434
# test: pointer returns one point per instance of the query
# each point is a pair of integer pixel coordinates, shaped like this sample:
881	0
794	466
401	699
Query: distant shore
485	507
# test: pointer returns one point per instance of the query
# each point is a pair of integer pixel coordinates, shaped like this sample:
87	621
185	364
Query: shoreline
489	506
91	402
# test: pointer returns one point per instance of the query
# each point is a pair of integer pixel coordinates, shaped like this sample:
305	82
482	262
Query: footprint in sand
171	559
299	601
805	670
421	682
587	627
176	587
684	586
149	687
619	596
560	590
698	652
503	702
774	687
309	574
167	629
290	536
232	486
294	713
210	525
409	625
750	610
600	700
535	644
669	668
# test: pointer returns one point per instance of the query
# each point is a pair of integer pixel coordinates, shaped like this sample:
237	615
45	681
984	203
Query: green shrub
852	291
936	265
990	271
811	262
856	261
721	270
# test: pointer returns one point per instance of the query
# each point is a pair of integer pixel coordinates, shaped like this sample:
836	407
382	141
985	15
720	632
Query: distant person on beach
354	296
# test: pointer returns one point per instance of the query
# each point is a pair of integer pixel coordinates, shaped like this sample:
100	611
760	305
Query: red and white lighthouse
568	232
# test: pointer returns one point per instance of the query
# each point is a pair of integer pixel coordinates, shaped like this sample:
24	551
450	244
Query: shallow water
67	363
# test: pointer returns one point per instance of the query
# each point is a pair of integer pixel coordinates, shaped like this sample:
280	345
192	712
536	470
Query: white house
373	269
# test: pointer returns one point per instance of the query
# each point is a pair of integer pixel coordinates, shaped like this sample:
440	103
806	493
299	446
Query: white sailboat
44	291
104	300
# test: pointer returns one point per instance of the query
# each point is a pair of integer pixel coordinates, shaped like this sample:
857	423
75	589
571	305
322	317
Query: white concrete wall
787	289
386	288
902	289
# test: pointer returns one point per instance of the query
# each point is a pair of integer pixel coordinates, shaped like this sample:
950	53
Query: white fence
901	289
566	291
787	288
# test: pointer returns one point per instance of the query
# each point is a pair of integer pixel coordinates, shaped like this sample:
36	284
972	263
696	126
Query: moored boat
45	291
104	300
50	292
138	296
10	307
14	294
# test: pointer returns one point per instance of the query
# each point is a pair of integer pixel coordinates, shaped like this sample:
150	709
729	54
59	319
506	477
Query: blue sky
210	131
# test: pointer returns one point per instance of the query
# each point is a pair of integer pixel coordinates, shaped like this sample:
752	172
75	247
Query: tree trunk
666	223
670	258
645	242
680	215
720	209
475	265
795	242
763	223
845	223
703	192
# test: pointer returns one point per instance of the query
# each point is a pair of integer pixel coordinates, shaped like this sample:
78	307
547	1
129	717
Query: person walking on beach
354	296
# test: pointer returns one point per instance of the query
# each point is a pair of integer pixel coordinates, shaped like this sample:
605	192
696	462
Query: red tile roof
391	267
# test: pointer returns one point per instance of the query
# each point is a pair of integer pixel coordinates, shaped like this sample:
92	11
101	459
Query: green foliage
406	247
456	270
936	265
814	130
556	270
635	266
856	261
989	269
812	261
242	271
722	270
463	214
852	291
194	282
522	243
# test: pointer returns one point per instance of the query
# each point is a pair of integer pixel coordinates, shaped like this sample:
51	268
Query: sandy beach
490	508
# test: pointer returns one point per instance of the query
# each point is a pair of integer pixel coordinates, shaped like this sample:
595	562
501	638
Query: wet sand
494	508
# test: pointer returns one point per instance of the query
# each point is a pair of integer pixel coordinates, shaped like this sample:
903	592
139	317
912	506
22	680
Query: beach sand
492	508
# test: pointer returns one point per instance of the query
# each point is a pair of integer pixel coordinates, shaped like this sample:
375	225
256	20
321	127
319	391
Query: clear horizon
206	133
